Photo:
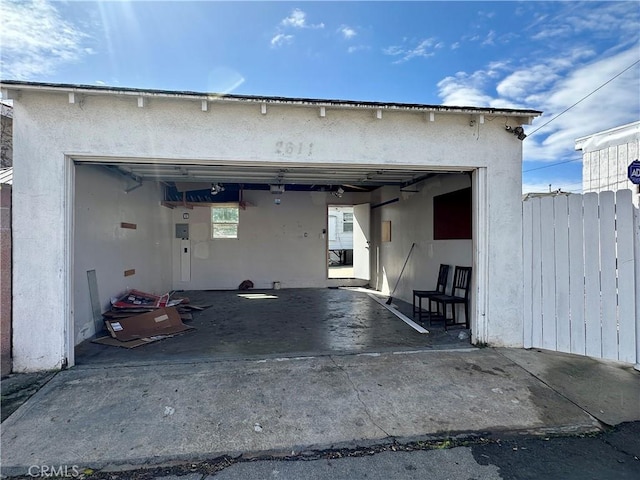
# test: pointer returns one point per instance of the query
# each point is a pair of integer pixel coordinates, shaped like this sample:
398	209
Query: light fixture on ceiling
338	193
277	189
216	188
517	131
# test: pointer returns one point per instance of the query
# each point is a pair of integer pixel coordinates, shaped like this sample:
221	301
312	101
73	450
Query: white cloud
347	32
36	40
490	38
455	46
298	19
615	104
554	82
424	49
463	89
520	83
281	39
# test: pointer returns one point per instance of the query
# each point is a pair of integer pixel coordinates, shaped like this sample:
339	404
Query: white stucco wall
100	243
283	243
412	221
48	127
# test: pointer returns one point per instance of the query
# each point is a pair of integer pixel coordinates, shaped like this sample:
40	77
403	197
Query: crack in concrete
602	425
364	405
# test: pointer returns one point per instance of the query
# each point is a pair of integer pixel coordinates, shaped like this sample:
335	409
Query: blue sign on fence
634	172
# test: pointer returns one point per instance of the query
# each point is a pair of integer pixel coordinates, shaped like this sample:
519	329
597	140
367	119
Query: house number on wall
290	149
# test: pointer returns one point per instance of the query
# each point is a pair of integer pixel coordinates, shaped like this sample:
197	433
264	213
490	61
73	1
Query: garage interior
129	223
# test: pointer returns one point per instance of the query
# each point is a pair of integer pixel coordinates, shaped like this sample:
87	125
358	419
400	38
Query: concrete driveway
109	416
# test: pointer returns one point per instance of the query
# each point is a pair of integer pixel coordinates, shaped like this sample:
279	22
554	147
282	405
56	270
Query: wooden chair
443	275
460	291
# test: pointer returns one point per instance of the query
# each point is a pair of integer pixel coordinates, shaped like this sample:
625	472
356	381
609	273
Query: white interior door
361	241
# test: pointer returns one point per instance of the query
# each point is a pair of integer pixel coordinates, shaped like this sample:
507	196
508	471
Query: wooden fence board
561	237
608	276
548	274
626	277
576	274
593	335
527	320
536	276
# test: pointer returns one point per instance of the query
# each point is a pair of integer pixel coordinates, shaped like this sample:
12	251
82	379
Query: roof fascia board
12	89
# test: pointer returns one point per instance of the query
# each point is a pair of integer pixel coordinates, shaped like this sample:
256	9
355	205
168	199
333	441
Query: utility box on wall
182	231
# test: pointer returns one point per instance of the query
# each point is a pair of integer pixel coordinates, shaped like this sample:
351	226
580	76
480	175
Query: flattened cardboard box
164	321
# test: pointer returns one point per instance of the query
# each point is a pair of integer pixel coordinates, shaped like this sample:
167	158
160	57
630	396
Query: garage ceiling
309	176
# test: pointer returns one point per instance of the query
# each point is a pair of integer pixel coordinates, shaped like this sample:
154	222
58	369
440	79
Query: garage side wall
411	220
106	241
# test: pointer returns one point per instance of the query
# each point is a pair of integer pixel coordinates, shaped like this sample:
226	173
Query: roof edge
103	89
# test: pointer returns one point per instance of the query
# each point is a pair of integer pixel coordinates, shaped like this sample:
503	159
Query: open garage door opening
138	228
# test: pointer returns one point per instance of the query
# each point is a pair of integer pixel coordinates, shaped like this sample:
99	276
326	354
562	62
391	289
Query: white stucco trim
480	278
69	277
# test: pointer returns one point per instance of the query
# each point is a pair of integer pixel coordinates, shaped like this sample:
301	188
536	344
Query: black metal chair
460	291
443	275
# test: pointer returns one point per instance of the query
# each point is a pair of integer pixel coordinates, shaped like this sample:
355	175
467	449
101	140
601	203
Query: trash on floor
138	318
138	299
135	301
133	331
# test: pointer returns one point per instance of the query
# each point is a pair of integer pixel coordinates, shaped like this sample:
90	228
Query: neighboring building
550	193
6	178
6	135
92	162
340	235
606	156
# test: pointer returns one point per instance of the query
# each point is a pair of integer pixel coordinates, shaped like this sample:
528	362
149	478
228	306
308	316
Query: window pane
225	214
347	222
225	230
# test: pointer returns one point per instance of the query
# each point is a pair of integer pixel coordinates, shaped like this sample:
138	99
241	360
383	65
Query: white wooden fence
580	275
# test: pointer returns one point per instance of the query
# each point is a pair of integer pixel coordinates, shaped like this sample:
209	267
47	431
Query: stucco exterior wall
101	244
49	130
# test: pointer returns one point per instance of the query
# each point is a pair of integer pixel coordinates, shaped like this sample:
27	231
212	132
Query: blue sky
534	55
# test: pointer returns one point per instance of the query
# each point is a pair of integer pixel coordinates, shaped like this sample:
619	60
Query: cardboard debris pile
138	318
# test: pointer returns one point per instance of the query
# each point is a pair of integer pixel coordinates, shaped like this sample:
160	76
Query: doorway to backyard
348	241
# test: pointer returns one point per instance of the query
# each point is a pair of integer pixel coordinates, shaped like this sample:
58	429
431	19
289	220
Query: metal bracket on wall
127	175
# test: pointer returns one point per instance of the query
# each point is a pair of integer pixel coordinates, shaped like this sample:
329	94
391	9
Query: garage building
166	190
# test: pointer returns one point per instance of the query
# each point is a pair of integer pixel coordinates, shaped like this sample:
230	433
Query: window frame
214	206
345	222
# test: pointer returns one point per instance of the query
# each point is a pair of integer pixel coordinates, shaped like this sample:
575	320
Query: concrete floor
280	323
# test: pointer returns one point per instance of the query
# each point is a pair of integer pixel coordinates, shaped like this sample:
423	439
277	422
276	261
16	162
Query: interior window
224	221
347	222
